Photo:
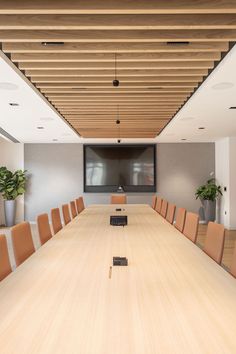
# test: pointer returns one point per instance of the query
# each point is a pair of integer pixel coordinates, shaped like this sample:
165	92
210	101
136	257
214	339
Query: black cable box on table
120	261
118	220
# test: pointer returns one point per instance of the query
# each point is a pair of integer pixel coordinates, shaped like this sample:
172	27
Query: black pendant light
118	123
115	82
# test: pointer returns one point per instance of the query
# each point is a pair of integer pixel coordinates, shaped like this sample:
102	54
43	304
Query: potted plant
12	184
208	193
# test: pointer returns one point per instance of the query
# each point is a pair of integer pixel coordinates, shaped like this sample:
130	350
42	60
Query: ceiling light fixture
54	139
201	128
46	119
183	139
52	43
40	128
14	104
223	86
8	86
115	82
118	123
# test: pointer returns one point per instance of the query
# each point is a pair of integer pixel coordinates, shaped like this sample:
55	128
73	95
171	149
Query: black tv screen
106	167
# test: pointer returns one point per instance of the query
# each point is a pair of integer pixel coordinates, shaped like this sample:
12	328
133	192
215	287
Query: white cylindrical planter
10	212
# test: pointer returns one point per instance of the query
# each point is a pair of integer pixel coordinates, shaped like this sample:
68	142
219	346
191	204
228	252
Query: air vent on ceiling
8	136
52	43
233	107
177	43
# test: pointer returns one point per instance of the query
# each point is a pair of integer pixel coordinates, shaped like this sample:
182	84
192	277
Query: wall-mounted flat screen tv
108	167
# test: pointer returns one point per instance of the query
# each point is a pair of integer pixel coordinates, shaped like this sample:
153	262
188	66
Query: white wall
222	178
56	176
12	156
225	152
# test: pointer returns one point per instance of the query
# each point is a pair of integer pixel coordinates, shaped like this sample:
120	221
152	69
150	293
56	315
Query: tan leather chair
5	266
44	228
154	200
164	206
215	239
73	209
191	226
158	204
80	204
233	264
180	219
22	242
66	214
56	220
118	199
170	213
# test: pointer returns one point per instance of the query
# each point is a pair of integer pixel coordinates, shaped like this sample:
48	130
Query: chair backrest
56	220
79	204
118	199
154	199
66	213
44	228
5	266
22	242
73	209
158	204
233	264
170	213
191	226
215	239
180	219
164	206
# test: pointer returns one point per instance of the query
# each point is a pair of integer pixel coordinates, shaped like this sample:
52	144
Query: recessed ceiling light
14	104
46	119
201	128
8	86
222	86
40	127
187	118
183	139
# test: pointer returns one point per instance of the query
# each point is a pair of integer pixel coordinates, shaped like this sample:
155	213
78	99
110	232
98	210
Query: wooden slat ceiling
164	50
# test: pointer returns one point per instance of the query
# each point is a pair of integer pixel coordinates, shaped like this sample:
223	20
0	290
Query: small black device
120	261
118	209
118	220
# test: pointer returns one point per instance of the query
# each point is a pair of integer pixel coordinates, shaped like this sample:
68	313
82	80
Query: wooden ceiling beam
122	49
113	92
135	64
163	103
115	98
143	57
108	85
117	22
123	79
117	7
78	114
110	73
90	36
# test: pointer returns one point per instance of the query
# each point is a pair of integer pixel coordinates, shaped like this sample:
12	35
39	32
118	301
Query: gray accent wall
56	175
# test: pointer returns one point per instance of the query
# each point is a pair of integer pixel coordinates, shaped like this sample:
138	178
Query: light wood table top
172	298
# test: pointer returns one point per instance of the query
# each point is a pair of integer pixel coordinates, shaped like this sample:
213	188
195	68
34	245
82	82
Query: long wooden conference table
171	298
